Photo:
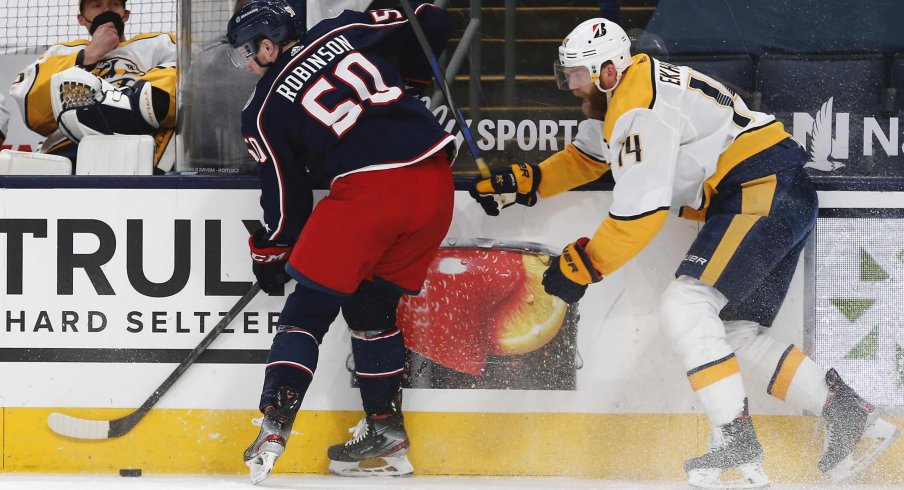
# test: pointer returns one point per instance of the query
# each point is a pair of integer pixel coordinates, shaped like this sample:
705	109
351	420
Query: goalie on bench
105	85
329	95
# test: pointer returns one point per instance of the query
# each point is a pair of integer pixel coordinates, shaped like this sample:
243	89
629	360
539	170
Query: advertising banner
106	289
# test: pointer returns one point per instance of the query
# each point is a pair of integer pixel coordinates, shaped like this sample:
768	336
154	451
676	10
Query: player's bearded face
594	102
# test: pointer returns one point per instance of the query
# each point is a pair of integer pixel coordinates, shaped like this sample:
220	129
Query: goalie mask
271	19
586	49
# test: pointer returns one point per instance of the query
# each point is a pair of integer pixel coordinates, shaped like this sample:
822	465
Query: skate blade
878	436
385	466
745	476
260	467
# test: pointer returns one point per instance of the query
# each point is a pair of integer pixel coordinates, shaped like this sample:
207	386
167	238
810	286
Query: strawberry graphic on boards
480	301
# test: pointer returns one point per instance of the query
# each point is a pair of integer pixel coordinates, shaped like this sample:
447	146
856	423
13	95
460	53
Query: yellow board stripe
784	372
597	446
712	372
734	235
757	195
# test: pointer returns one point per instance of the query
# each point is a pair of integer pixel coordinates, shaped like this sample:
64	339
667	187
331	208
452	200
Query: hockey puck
130	472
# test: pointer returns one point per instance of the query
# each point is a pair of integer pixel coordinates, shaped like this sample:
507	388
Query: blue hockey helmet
271	19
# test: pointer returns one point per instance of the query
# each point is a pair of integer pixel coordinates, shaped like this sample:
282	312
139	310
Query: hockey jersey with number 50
669	136
336	98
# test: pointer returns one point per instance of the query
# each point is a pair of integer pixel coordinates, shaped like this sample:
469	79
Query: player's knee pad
371	309
689	317
741	334
752	345
310	309
84	104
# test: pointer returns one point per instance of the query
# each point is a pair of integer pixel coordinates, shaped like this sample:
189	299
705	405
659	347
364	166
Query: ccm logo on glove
270	254
269	262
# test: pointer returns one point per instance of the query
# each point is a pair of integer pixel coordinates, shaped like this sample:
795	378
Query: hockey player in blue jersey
330	95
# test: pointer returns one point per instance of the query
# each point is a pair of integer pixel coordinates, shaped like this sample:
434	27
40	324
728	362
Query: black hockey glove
269	262
570	273
516	184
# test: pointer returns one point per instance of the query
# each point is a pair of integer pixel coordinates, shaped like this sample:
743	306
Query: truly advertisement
104	290
121	282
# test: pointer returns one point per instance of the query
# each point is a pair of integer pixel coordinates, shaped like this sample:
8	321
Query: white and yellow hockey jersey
150	57
4	119
670	135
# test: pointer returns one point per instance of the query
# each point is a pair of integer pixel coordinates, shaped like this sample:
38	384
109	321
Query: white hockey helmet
584	51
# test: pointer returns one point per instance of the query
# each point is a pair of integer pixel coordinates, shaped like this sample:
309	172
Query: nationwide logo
827	136
820	147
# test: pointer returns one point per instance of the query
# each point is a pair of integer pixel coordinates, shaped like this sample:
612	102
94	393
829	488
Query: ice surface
14	481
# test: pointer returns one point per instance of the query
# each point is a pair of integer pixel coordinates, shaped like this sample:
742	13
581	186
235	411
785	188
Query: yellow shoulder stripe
636	90
75	43
568	169
617	241
149	35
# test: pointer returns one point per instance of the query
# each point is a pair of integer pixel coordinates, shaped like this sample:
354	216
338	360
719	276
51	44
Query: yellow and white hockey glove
516	184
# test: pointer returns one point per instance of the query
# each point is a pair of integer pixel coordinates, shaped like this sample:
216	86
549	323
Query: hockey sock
292	362
790	375
690	319
379	364
719	387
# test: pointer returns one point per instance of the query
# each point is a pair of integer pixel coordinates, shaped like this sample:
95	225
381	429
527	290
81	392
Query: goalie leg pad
29	163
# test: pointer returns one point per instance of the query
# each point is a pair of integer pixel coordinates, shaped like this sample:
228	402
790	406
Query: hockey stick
66	425
441	81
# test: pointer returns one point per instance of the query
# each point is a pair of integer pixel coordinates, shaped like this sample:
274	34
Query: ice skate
855	435
276	427
735	453
378	447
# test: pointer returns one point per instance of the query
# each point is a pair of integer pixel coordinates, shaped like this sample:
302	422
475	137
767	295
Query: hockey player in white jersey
678	140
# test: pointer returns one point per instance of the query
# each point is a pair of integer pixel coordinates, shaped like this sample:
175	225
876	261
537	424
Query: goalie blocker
84	104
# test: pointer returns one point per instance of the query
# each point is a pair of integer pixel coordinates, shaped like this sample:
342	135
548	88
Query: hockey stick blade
77	428
444	86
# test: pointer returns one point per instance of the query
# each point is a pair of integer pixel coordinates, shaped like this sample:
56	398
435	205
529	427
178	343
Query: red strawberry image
480	301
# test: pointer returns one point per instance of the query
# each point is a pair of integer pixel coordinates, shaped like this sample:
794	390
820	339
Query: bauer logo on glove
516	184
570	273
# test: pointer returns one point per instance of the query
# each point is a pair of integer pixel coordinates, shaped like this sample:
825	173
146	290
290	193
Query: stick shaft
441	80
94	429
